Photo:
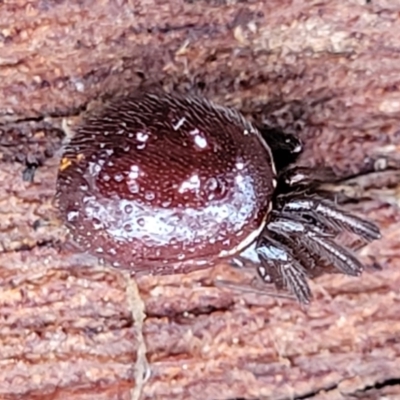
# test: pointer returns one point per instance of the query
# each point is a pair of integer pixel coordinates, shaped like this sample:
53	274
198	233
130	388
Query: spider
160	183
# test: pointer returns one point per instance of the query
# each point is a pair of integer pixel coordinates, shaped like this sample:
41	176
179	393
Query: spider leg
280	267
339	256
305	177
332	217
318	244
250	259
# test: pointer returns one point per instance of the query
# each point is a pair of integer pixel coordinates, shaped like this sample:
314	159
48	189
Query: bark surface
72	329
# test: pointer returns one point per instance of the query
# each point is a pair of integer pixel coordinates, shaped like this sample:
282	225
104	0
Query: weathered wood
67	329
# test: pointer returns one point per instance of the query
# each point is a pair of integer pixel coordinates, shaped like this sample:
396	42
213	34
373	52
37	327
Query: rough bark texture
68	330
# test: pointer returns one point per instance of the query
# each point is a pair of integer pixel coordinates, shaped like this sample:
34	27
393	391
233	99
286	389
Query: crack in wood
137	308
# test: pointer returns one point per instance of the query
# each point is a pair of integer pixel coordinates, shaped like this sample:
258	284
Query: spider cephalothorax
160	184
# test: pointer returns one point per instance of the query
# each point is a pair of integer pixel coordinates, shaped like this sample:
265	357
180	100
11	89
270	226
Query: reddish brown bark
67	329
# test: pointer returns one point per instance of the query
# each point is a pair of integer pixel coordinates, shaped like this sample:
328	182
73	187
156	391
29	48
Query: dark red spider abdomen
164	183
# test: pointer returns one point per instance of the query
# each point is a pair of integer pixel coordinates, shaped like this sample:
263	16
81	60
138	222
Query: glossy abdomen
157	181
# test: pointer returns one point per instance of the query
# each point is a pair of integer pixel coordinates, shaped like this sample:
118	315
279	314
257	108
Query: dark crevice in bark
311	395
181	318
359	394
41	118
373	389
